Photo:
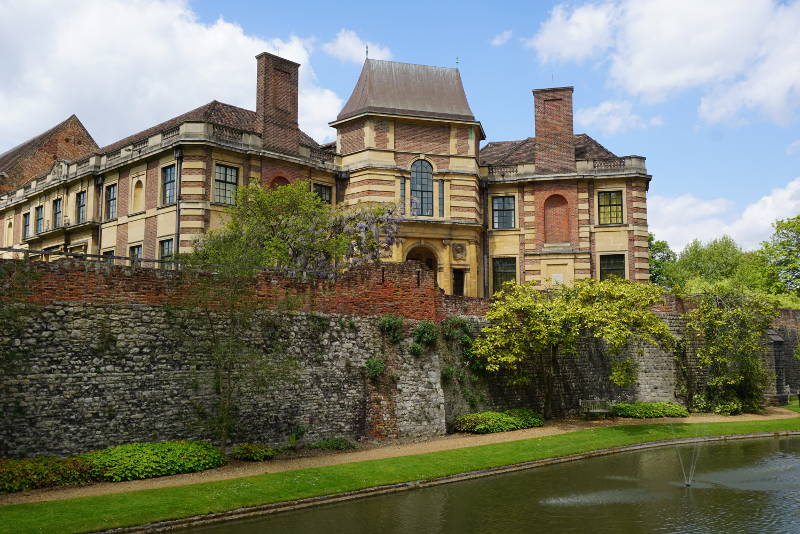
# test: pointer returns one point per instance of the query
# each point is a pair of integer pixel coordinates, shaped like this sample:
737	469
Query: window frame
422	187
230	192
137	262
462	285
57	213
497	273
26	225
162	256
39	219
610	215
325	188
504	211
108	252
80	207
603	271
165	172
111	202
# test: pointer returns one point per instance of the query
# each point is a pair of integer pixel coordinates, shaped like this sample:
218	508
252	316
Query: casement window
226	179
503	212
612	265
57	213
80	207
165	252
136	256
110	253
503	270
323	192
26	225
609	205
422	188
458	282
441	198
39	219
168	184
111	202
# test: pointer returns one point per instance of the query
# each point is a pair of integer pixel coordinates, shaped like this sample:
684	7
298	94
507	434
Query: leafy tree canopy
661	256
782	252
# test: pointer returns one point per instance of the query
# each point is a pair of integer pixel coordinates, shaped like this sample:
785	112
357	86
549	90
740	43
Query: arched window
556	219
9	235
422	188
138	197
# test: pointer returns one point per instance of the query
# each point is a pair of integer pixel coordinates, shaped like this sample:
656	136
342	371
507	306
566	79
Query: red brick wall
442	162
351	137
556	219
421	139
462	140
555	144
276	103
564	221
382	134
123	192
151	186
121	247
207	173
272	170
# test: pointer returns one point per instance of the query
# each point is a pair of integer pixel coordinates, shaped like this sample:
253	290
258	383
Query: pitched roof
407	89
513	152
214	112
11	157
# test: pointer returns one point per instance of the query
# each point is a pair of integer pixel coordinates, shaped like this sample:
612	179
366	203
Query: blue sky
708	92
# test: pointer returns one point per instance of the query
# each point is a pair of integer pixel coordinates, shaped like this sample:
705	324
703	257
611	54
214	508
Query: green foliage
44	472
728	407
729	325
646	410
425	333
527	323
782	252
491	422
333	444
416	349
452	326
252	452
147	460
394	376
376	366
623	373
661	256
297	432
392	326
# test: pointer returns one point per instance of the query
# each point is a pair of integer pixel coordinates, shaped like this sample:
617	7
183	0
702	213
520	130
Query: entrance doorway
425	256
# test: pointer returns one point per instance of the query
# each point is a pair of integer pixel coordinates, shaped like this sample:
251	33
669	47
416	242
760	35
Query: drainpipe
98	183
178	165
484	185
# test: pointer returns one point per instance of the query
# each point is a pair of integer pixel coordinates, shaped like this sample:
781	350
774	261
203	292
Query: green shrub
491	422
333	444
253	453
392	326
730	407
452	326
416	349
448	373
376	366
147	460
426	332
44	472
647	410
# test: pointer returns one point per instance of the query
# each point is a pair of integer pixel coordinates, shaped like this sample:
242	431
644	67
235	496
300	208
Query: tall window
39	219
503	270
225	181
610	207
168	184
458	282
26	225
57	213
136	256
111	202
441	198
165	253
80	207
323	192
503	212
422	187
612	265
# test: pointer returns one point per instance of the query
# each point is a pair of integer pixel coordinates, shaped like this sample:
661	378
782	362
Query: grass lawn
793	405
88	514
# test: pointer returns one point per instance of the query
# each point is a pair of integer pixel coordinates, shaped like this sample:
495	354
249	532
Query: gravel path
236	469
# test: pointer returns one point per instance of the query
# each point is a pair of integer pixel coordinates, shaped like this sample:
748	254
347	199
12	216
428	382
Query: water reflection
739	487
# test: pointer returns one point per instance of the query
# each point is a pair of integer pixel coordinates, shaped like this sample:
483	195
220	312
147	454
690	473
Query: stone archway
426	256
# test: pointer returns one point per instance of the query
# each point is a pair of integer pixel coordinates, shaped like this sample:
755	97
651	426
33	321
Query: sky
708	92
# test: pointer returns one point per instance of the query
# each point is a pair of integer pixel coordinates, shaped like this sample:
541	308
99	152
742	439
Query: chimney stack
276	103
555	141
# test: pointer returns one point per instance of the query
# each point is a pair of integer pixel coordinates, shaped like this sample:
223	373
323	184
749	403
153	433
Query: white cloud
613	116
123	66
678	220
738	52
501	38
349	47
794	147
575	36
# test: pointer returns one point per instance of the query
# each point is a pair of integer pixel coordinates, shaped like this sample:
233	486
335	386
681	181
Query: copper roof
514	152
406	89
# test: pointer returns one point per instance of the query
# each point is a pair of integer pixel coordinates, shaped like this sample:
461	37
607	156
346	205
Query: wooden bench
596	407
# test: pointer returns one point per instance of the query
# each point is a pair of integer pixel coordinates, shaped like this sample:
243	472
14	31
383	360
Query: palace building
550	208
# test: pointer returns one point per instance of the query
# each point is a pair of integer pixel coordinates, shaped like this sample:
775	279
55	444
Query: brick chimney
276	103
555	142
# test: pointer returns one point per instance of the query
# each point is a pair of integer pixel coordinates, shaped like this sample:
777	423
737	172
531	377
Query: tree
782	252
527	323
661	257
711	262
